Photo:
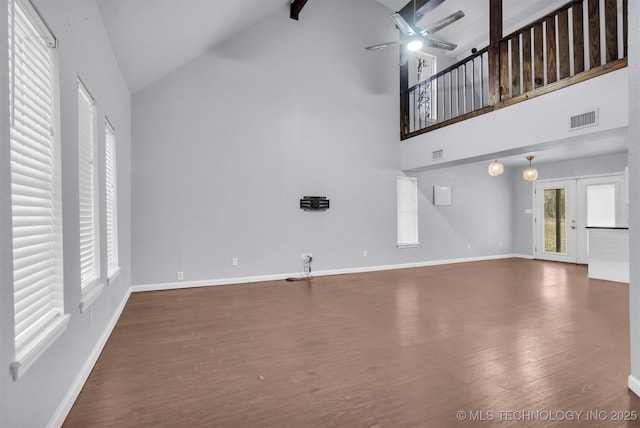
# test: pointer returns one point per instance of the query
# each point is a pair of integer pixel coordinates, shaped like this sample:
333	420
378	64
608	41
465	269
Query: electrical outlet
234	261
302	256
180	276
365	253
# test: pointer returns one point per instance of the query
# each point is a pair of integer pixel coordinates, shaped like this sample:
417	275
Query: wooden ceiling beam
295	8
422	7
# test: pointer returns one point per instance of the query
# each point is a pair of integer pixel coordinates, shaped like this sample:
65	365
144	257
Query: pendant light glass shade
530	174
496	168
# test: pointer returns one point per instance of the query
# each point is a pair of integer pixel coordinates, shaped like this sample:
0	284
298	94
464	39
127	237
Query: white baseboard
279	277
523	256
210	282
74	390
634	385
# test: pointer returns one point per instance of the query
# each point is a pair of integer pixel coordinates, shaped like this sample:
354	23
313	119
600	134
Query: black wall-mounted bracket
314	203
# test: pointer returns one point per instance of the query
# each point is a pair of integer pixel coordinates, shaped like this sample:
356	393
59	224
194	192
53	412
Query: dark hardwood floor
506	343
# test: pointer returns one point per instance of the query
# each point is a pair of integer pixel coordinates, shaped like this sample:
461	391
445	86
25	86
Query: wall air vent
584	120
438	154
314	203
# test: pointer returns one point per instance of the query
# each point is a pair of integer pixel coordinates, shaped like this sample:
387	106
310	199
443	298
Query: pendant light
496	168
530	174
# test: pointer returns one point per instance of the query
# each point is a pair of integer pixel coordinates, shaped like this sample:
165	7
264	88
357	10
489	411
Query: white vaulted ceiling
153	37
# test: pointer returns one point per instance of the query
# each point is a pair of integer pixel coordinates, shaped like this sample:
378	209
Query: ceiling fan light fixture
414	45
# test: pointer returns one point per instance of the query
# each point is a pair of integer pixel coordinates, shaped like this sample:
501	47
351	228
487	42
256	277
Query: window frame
407	211
88	193
36	186
111	206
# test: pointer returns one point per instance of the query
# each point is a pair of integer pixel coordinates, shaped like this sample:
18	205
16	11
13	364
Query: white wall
226	145
634	192
477	224
84	51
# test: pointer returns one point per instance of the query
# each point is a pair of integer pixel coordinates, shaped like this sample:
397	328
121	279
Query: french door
555	221
564	210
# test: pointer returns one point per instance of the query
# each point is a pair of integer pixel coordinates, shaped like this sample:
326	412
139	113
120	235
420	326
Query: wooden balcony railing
453	92
567	46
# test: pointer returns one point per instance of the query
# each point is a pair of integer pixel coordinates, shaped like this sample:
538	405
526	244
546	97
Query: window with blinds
113	266
407	204
88	193
36	206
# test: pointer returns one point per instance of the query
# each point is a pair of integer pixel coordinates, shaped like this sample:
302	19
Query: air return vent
583	120
438	154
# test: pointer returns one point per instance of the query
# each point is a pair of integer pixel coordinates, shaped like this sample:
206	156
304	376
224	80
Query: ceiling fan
416	38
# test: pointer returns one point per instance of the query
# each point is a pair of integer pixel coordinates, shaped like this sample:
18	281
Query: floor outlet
180	276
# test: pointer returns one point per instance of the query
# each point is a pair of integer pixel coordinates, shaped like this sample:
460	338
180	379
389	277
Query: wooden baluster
578	37
552	73
504	70
526	61
482	80
473	84
563	44
451	95
515	65
495	34
538	55
611	29
625	26
462	86
594	34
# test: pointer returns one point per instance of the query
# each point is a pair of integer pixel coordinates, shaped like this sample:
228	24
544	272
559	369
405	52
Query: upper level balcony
581	40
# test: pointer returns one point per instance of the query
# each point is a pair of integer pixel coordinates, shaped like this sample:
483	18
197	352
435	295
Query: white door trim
570	226
580	215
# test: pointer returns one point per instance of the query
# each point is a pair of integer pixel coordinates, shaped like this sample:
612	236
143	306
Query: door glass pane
601	205
555	237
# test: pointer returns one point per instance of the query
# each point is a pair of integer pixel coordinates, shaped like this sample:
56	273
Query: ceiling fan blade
442	23
402	24
384	45
433	43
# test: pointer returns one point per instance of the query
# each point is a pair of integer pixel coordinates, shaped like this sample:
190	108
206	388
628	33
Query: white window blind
88	204
113	266
36	206
407	193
